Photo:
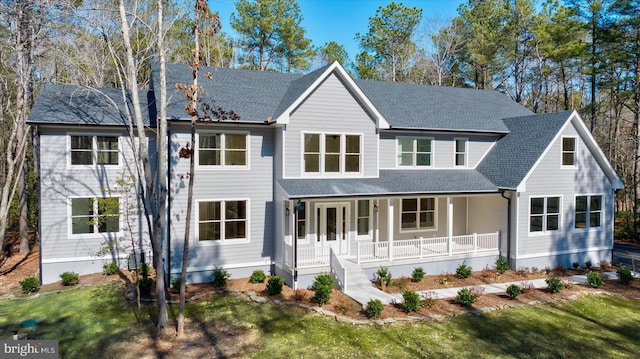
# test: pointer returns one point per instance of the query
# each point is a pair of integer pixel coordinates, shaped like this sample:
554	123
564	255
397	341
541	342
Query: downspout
502	192
35	135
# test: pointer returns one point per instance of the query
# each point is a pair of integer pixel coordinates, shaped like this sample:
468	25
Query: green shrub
175	285
374	308
274	285
514	291
219	278
554	284
144	270
466	297
418	274
463	271
110	268
411	302
257	276
575	265
322	285
588	265
594	279
69	278
624	275
502	265
145	284
30	284
384	276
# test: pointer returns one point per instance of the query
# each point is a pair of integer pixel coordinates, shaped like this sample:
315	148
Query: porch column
390	227
450	223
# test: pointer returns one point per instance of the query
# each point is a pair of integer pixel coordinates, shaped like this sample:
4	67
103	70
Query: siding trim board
563	252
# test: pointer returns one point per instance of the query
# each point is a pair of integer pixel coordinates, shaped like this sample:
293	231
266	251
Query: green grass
91	320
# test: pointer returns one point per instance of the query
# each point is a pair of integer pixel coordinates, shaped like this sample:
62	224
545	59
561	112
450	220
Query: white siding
254	184
443	147
330	109
551	179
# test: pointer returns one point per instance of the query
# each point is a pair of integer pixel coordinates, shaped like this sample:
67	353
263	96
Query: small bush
30	284
299	295
323	285
145	284
624	275
604	265
401	282
418	274
568	284
547	270
514	291
575	265
535	270
274	285
463	271
219	278
411	302
526	287
588	265
110	268
175	285
560	269
554	284
384	276
257	276
374	308
594	279
144	270
428	300
502	265
478	291
465	297
69	278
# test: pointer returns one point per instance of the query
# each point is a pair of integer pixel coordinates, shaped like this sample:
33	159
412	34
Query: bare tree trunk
144	170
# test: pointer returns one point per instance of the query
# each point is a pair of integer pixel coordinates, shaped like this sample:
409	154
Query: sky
340	20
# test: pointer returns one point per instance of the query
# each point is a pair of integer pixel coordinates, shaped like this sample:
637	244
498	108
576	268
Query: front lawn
97	322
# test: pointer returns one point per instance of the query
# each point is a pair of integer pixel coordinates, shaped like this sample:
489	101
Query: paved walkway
445	293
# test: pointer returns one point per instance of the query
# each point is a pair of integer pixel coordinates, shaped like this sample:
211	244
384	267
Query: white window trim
465	153
222	150
588	228
575	152
435	216
415	149
305	239
369	235
343	151
544	223
96	233
222	241
94	150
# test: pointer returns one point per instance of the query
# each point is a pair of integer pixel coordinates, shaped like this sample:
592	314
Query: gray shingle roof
256	96
514	155
77	105
445	108
392	182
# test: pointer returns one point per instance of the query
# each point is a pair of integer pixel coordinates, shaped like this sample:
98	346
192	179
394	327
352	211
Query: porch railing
427	247
338	270
313	256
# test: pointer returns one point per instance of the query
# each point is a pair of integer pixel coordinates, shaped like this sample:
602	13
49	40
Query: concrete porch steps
359	286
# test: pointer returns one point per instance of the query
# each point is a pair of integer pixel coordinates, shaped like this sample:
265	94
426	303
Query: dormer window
569	151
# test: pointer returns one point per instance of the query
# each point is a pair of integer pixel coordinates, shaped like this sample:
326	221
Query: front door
333	226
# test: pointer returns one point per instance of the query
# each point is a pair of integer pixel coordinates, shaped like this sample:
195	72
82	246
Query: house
324	173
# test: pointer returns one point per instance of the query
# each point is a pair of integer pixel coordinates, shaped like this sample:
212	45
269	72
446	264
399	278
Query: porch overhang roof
390	183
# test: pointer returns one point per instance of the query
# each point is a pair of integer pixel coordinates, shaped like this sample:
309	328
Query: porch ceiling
391	182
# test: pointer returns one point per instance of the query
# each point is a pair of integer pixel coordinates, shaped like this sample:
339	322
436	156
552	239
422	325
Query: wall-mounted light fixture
375	208
287	211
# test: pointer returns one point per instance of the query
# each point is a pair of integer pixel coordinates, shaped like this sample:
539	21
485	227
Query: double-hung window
460	152
418	213
222	220
414	152
544	214
568	151
222	149
89	150
302	220
364	217
588	211
331	153
95	215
